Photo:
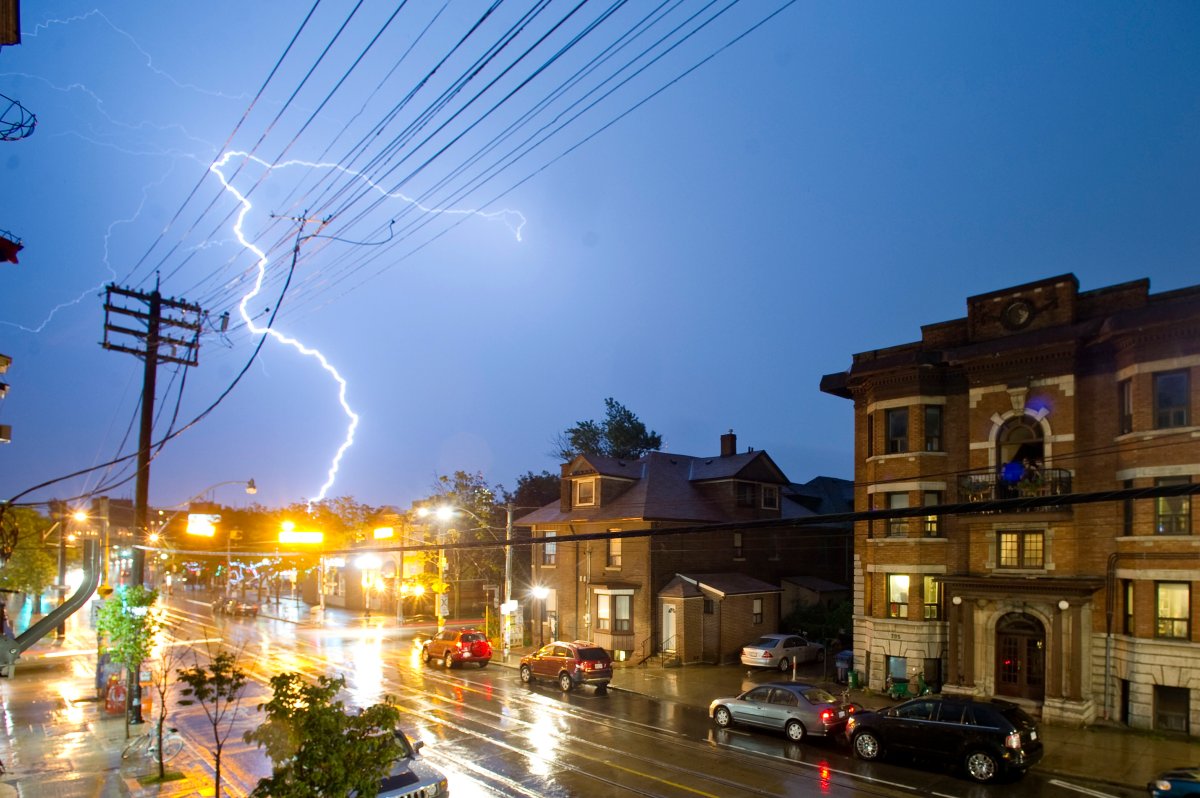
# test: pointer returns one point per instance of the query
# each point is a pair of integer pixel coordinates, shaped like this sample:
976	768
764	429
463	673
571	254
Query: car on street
454	647
569	664
411	775
1176	781
781	651
796	709
987	738
234	607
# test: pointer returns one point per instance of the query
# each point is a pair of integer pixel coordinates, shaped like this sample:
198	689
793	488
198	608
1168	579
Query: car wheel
448	661
483	663
601	689
425	655
794	730
722	717
564	681
981	766
866	746
526	674
785	665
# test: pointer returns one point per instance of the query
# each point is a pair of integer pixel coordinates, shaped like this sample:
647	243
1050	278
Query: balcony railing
989	486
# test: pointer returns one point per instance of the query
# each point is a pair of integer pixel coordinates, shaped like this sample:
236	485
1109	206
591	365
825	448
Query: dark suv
569	664
456	646
988	737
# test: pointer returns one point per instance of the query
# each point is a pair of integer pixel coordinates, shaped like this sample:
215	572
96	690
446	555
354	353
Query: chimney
728	444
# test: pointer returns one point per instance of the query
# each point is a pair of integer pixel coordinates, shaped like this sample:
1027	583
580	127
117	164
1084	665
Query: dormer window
770	497
747	494
585	492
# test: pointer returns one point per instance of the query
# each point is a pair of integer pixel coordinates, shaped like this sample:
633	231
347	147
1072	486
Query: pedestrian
5	625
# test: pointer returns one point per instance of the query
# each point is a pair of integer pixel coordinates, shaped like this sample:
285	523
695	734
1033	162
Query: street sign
509	607
444	605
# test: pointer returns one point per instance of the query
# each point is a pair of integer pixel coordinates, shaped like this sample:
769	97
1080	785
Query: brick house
1078	611
631	594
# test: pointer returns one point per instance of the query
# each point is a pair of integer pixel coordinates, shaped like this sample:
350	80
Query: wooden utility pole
163	330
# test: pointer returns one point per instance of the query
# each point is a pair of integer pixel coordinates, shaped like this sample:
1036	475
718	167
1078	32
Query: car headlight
1162	786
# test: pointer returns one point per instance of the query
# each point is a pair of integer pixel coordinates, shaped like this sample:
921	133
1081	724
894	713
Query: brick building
1078	611
686	596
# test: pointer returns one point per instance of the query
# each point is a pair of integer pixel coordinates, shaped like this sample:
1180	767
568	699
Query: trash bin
854	683
843	662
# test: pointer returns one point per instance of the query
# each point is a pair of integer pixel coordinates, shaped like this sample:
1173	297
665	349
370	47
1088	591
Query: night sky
700	232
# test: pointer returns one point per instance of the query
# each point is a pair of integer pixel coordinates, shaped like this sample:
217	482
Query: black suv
988	737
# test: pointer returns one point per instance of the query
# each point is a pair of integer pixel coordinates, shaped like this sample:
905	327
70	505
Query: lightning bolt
514	220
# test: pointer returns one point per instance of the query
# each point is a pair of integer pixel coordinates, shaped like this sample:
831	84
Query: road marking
1077	788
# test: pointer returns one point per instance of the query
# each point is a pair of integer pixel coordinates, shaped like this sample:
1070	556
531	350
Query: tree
129	623
31	569
621	434
479	519
535	490
217	689
162	668
317	747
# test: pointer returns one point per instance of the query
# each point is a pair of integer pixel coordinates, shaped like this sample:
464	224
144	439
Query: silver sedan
780	651
798	710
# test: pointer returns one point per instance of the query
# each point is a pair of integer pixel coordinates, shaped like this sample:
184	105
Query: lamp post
367	565
288	534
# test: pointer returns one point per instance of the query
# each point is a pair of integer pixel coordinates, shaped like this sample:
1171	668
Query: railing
991	486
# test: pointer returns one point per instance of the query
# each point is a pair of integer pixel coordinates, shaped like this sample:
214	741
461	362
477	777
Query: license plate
842	713
466	654
1033	735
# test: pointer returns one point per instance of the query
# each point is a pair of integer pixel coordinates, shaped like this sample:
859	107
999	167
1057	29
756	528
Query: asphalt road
494	736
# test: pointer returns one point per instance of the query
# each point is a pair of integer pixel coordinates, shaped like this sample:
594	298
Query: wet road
494	736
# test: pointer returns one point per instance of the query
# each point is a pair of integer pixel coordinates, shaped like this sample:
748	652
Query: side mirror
417	746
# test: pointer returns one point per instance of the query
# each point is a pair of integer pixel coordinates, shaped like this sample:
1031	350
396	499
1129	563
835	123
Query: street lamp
205	526
289	534
540	593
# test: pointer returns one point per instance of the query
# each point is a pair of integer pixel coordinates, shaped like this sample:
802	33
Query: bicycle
147	744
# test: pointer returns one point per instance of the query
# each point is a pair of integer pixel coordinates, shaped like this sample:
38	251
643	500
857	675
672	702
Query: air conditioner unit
5	433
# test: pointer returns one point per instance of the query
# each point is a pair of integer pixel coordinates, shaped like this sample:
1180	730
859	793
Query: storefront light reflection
366	672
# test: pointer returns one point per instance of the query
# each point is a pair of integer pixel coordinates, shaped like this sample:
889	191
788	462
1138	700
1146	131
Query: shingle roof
730	584
815	583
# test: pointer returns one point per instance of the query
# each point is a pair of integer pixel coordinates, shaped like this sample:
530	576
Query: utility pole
166	330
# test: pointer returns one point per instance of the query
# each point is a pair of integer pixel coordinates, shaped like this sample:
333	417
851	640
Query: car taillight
826	715
766	655
849	709
1013	740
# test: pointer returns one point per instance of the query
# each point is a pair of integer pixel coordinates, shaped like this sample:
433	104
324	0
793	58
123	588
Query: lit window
1173	514
1022	549
933	605
1124	407
1171	399
1127	626
1173	616
932	498
585	492
897	585
603	612
757	611
622	613
614	552
549	549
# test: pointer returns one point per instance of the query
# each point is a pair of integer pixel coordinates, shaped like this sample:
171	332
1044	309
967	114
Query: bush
821	623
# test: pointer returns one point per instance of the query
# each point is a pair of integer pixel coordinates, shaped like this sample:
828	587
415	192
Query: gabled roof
664	487
728	584
821	496
816	584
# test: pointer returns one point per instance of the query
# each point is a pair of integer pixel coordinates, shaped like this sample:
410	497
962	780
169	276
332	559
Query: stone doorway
1021	657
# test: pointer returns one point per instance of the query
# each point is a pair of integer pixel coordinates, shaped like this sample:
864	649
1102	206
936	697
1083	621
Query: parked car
411	776
234	607
1177	781
457	646
989	738
798	710
569	664
780	651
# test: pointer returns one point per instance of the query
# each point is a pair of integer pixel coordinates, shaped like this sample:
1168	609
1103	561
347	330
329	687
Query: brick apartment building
1078	611
695	597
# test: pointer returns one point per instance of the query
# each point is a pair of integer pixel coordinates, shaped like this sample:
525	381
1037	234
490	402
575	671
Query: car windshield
819	696
765	642
592	654
472	638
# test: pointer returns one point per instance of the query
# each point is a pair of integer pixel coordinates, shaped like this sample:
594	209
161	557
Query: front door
669	643
1020	657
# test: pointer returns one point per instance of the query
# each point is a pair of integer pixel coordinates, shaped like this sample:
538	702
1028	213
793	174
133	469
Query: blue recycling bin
843	662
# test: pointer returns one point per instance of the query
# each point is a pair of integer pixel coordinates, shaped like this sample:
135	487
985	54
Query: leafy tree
621	434
217	689
319	748
535	490
31	569
478	519
127	620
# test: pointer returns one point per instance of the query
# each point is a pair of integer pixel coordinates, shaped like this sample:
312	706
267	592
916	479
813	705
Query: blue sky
825	185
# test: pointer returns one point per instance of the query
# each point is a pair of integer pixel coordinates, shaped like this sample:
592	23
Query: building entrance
1021	657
